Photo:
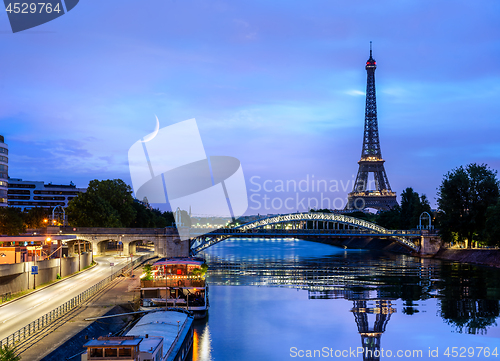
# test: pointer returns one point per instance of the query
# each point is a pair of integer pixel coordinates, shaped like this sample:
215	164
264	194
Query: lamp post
34	274
59	243
131	265
79	256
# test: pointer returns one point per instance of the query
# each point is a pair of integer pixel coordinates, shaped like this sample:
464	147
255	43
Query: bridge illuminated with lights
331	228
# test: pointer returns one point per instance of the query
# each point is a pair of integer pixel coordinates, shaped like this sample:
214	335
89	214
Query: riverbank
484	257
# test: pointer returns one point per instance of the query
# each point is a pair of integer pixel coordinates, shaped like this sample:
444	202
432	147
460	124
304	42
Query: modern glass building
4	171
29	194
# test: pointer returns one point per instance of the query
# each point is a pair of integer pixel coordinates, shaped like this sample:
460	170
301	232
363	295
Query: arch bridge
329	228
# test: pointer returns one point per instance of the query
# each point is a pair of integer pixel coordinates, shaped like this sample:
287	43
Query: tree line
468	209
13	221
109	203
106	203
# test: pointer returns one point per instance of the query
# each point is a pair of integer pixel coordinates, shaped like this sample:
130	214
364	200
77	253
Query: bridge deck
304	232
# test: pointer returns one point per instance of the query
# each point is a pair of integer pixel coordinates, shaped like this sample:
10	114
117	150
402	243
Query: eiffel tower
371	335
382	198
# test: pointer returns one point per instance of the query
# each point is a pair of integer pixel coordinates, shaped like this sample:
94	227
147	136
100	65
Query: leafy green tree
7	354
200	272
389	219
407	215
35	217
144	217
89	210
11	221
107	203
492	226
464	197
119	195
148	271
412	206
169	218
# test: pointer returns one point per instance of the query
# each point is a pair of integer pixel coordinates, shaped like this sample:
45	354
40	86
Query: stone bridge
166	241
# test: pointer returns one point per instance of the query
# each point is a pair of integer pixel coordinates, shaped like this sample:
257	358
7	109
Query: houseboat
176	282
158	336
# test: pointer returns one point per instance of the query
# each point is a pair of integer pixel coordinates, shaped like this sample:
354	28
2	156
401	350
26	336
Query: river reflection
283	299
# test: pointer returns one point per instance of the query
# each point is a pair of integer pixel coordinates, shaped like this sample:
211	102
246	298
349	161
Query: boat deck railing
172	282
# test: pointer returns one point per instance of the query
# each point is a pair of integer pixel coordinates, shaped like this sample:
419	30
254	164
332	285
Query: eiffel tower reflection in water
371	333
372	286
371	302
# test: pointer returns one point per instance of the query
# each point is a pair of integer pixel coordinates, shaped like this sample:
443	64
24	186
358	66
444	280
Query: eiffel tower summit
382	197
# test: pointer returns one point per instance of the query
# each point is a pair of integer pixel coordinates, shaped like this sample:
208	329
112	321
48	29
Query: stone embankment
485	257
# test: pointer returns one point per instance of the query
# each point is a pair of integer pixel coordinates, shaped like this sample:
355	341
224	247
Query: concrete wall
374	243
17	277
429	244
171	246
477	256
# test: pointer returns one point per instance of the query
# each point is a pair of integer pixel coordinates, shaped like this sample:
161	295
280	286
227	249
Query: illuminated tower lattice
382	198
370	335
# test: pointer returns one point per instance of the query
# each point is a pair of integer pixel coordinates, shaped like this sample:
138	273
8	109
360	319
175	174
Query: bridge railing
311	231
100	230
17	337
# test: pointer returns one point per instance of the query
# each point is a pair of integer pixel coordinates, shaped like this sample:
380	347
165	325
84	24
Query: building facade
4	172
30	194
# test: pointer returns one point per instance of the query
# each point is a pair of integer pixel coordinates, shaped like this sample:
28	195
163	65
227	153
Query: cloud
355	92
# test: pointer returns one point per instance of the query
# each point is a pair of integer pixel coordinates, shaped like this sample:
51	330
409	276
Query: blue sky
277	84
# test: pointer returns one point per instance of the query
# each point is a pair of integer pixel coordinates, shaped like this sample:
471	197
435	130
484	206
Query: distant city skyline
279	86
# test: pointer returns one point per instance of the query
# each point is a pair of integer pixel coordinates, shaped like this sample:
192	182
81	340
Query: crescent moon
148	137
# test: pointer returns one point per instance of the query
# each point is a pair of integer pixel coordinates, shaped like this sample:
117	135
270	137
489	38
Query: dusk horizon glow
279	86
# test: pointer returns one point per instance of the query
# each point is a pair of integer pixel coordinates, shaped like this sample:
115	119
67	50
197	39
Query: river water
292	299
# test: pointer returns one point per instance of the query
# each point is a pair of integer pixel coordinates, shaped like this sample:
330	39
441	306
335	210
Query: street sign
111	264
34	270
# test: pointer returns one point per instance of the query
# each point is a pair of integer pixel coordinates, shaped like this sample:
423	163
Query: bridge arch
78	245
299	221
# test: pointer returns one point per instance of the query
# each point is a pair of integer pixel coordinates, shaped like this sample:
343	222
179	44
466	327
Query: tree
7	354
144	217
118	194
148	270
35	217
169	218
90	210
412	206
11	221
106	203
390	219
463	198
492	226
148	218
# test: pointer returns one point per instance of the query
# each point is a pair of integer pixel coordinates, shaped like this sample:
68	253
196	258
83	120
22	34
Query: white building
30	194
4	171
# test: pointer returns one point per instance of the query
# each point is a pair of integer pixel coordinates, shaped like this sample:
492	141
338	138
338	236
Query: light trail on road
21	312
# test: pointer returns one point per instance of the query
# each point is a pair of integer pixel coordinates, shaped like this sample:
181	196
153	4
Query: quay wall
17	277
485	257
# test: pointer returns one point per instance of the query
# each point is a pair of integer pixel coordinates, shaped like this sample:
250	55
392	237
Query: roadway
22	311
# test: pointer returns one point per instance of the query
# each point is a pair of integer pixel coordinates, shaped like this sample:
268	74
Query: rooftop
166	324
173	261
114	341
